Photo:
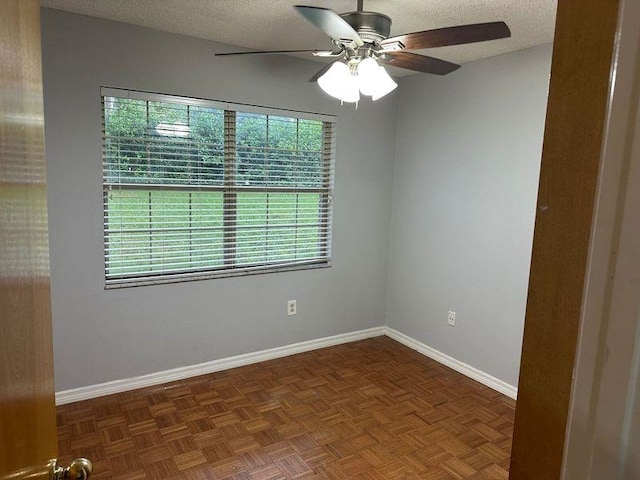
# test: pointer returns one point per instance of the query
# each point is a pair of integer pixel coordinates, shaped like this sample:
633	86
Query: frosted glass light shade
339	83
384	84
351	89
374	79
333	79
367	74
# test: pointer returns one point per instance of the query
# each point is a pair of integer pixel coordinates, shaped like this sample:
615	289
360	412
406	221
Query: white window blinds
198	189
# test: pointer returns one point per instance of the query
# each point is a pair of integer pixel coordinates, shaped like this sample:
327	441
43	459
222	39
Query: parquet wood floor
367	410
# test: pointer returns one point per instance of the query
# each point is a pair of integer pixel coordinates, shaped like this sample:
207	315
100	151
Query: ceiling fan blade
330	23
419	63
459	35
318	53
320	72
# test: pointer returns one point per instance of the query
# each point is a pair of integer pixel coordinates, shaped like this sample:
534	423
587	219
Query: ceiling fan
362	42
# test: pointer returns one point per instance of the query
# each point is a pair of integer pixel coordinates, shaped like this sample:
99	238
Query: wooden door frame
583	183
608	333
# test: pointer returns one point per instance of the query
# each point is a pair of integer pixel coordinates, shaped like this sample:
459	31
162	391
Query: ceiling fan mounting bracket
371	26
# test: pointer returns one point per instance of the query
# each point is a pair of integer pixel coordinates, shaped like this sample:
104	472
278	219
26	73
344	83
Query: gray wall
466	155
466	175
107	335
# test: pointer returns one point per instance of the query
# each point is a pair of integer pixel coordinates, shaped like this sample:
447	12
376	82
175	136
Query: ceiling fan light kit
346	81
362	42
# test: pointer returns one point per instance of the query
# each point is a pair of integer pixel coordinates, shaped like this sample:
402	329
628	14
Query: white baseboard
467	370
116	386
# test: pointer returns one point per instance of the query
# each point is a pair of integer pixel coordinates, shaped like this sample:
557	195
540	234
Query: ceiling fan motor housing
371	26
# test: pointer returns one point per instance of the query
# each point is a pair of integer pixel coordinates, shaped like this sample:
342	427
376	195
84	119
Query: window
198	189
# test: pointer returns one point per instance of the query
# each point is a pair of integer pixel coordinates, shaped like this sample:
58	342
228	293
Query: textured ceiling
275	25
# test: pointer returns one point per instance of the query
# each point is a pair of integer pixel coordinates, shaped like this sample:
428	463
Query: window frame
229	190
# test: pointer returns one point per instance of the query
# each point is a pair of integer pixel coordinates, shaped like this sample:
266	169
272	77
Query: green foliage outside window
196	215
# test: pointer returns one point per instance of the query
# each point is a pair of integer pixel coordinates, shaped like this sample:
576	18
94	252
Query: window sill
197	276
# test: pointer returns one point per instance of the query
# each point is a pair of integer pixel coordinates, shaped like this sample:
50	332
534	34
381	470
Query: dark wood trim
573	142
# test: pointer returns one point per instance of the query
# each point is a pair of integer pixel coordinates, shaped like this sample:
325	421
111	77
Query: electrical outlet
292	308
451	318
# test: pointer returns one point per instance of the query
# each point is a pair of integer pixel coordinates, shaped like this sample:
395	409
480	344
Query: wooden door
27	405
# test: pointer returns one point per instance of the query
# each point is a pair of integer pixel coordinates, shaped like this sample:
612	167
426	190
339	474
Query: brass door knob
78	469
